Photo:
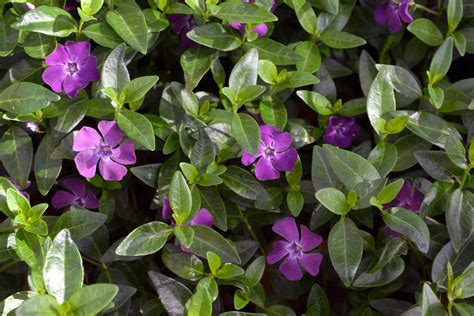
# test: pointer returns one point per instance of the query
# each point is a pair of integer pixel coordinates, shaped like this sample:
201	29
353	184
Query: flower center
72	68
105	149
295	249
79	201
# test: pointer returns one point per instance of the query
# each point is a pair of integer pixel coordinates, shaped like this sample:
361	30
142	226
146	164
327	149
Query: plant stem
464	177
250	230
95	263
423	8
7	265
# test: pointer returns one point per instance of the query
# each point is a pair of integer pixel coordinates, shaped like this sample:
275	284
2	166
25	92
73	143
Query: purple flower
106	150
295	249
341	131
32	127
274	154
71	6
392	14
70	68
182	24
78	195
261	29
409	198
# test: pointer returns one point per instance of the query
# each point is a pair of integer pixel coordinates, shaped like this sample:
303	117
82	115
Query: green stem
79	30
250	230
464	176
95	263
7	265
423	8
450	308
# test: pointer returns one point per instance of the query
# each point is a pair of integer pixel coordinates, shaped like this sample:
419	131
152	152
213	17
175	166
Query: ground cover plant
257	157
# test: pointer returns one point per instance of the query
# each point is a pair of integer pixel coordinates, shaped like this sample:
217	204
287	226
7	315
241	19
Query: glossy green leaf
92	299
145	240
47	20
25	98
207	239
137	127
426	31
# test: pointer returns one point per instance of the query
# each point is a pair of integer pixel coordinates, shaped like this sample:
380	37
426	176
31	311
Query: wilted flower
182	24
106	150
70	68
393	13
341	131
78	195
261	29
295	249
274	154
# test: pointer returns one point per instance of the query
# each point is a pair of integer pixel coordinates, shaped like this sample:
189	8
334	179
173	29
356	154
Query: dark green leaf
145	240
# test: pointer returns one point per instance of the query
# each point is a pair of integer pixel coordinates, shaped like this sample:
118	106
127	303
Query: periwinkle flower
32	127
408	198
105	149
70	68
393	13
341	131
274	154
71	6
182	24
261	29
77	194
295	249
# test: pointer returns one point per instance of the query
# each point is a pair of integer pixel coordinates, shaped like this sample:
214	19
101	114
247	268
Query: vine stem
423	8
7	265
251	231
95	263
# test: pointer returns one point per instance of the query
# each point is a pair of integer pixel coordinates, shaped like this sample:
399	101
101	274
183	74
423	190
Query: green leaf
410	225
242	12
436	96
114	71
200	303
230	271
244	184
92	299
455	11
442	59
345	246
406	146
8	35
334	200
213	202
137	127
207	239
172	293
311	57
273	112
102	34
45	168
91	7
460	42
466	283
390	192
25	98
456	152
16	154
15	300
438	165
213	261
129	23
322	174
215	35
383	157
144	240
38	45
306	16
464	309
317	303
349	167
402	80
246	132
380	100
183	264
382	277
316	101
196	62
458	213
273	51
430	304
63	272
17	202
136	89
71	116
185	235
395	247
341	40
255	271
47	20
426	31
44	305
295	202
180	197
245	71
79	222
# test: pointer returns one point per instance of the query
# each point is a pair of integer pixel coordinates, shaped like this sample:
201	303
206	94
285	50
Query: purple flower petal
266	134
309	240
125	153
76	186
62	199
110	170
79	52
247	159
260	29
186	42
238	26
382	12
404	12
72	84
86	163
166	211
333	138
311	262
286	227
91	201
278	251
264	169
58	57
86	138
54	76
289	268
285	161
281	141
88	71
203	217
394	23
111	132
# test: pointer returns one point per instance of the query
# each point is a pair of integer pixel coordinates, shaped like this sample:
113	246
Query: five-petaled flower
182	24
70	68
261	29
295	249
107	150
341	131
78	195
393	13
274	154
